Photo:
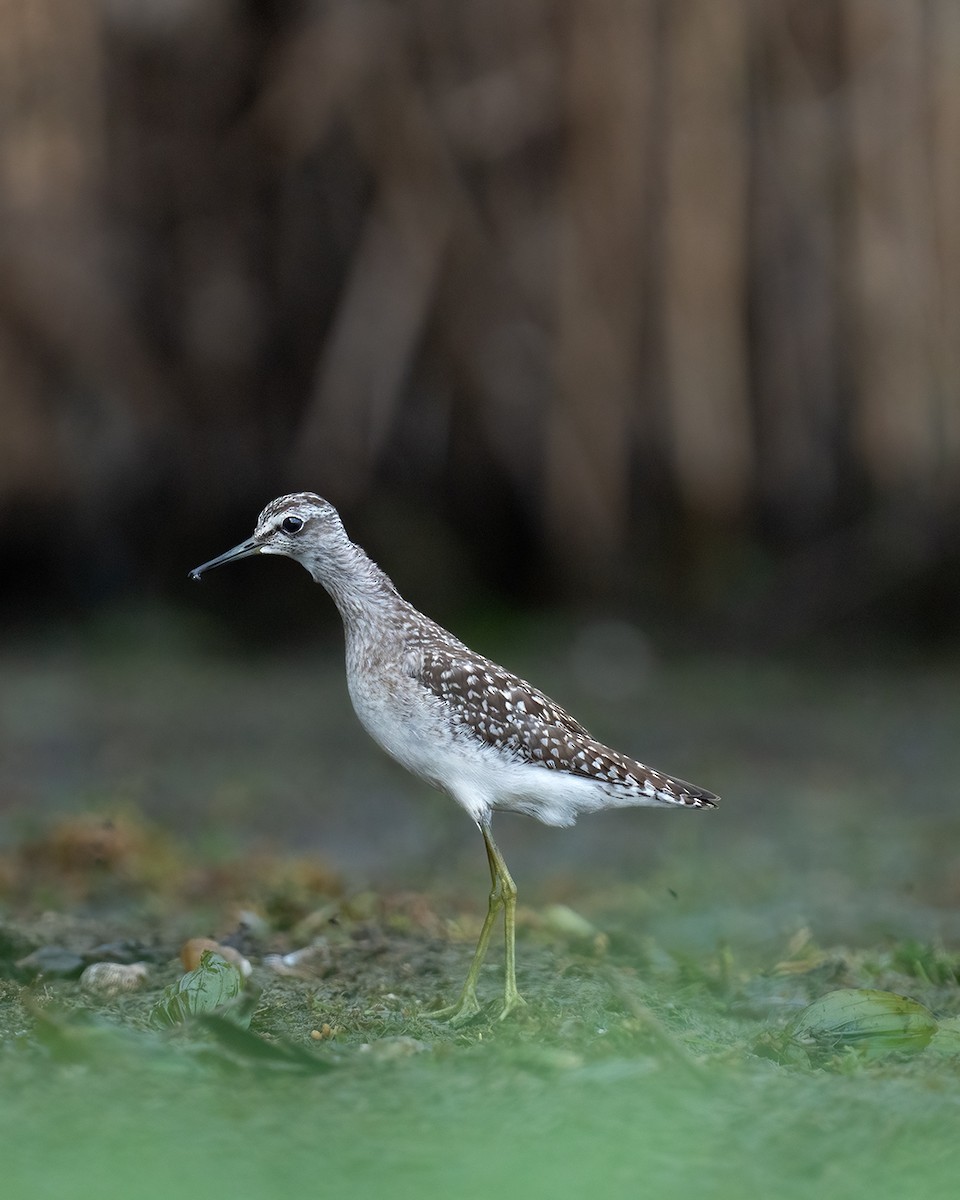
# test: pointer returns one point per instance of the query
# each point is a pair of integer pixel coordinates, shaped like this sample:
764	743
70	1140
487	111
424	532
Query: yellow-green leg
503	894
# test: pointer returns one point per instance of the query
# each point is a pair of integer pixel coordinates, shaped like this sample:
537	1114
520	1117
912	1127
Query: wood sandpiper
454	718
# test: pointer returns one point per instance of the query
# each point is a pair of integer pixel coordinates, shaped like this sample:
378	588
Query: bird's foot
465	1009
468	1007
512	1002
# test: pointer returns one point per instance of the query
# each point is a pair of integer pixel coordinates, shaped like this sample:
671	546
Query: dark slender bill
244	550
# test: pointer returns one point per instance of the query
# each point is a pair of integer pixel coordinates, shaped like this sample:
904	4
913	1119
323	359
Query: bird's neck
363	593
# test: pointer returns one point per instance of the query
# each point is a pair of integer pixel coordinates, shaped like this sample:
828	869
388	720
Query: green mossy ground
653	1057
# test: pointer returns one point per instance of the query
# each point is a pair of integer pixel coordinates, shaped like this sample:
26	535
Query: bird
455	719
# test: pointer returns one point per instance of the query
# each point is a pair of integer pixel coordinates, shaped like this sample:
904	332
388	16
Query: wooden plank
944	41
895	264
798	262
602	240
704	242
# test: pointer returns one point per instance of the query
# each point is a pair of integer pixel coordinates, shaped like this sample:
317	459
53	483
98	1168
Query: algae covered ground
152	792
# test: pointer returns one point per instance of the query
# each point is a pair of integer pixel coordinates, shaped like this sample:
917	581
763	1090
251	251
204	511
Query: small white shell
306	963
109	978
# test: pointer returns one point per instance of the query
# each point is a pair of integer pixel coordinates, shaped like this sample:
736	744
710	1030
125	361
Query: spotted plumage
498	709
489	739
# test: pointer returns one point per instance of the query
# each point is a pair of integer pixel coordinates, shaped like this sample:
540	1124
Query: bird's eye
291	524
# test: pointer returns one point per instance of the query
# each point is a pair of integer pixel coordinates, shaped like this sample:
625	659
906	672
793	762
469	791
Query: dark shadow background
650	306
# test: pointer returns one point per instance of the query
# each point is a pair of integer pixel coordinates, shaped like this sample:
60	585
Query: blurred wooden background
621	289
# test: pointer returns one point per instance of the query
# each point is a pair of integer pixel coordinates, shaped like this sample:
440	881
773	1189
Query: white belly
479	777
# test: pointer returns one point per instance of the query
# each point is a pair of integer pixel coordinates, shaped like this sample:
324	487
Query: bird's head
301	526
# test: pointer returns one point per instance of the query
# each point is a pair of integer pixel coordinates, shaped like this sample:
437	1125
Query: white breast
480	778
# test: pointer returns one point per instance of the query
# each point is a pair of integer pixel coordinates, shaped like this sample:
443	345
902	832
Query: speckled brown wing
490	704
